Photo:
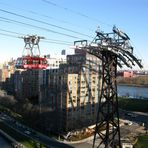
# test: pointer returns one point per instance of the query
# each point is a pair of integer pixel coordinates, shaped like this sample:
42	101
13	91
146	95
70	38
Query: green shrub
133	104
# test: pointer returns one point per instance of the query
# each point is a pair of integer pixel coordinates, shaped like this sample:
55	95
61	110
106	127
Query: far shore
133	85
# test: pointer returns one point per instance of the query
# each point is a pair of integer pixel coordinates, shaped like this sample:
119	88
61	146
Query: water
133	92
4	143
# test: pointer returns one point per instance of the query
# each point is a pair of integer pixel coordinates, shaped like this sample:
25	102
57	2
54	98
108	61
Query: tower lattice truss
114	49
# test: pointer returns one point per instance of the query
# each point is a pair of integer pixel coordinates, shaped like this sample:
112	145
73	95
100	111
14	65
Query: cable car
28	62
31	60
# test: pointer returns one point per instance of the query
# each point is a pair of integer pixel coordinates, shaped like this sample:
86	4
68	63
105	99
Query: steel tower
114	49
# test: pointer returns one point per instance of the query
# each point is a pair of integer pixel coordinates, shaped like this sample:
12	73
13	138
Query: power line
12	32
52	42
46	39
8	35
45	16
32	19
38	27
75	12
2	20
66	42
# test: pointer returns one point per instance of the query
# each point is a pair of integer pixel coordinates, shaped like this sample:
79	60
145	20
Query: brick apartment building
72	91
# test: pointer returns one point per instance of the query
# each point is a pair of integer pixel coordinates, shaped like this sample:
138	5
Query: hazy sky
62	22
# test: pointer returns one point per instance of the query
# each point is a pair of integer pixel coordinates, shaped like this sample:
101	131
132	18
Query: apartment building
30	81
73	91
8	68
24	84
0	75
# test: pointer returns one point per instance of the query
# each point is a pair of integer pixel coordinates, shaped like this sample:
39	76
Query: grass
142	142
27	142
133	104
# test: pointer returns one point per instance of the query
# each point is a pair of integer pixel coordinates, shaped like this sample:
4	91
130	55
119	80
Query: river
4	143
133	91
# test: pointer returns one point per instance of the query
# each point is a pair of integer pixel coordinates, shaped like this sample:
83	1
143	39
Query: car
37	136
134	115
128	114
27	132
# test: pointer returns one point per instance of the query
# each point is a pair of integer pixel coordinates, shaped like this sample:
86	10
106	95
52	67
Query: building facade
73	91
55	60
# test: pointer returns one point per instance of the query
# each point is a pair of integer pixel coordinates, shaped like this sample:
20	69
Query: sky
62	22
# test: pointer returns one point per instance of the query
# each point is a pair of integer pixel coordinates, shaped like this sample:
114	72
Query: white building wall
55	60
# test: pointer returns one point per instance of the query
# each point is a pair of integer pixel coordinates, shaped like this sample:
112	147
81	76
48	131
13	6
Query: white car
27	132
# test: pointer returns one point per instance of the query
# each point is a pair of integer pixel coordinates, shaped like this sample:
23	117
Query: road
136	118
4	143
87	144
50	143
24	130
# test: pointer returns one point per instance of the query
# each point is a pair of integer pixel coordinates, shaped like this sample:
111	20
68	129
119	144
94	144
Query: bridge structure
113	49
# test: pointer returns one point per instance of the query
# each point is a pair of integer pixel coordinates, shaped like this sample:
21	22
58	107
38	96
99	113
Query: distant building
63	52
7	68
31	80
126	74
24	84
55	60
0	75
